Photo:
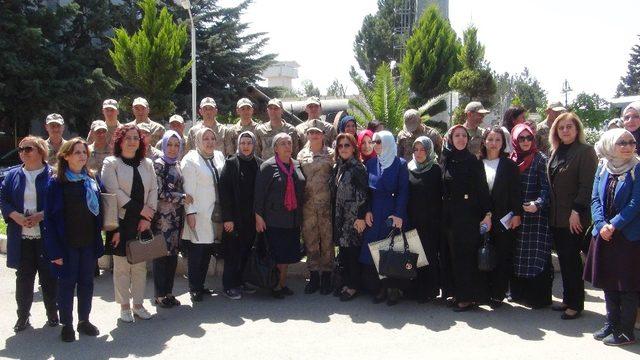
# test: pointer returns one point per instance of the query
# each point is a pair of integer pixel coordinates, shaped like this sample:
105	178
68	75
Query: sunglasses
377	142
525	138
624	143
344	146
25	149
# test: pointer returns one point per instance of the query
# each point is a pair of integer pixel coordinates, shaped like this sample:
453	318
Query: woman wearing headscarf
425	213
467	209
532	278
201	169
348	125
237	186
169	218
365	145
389	189
631	122
612	262
278	202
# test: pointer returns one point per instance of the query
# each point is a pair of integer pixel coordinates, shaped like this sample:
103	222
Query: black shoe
68	334
603	333
495	304
345	296
21	324
619	339
459	308
196	296
313	284
286	291
164	303
393	297
53	321
566	316
325	283
206	291
87	328
174	301
277	293
380	297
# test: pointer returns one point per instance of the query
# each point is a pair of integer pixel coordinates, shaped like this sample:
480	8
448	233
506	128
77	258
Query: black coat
229	188
269	195
505	195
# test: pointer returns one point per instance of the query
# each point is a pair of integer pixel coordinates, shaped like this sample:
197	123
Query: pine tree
375	40
630	84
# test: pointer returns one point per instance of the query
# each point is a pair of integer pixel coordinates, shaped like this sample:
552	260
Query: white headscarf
389	149
606	147
634	105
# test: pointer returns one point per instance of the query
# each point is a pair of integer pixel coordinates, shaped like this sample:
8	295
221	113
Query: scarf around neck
389	149
246	134
361	136
290	200
522	158
165	143
607	149
431	159
90	187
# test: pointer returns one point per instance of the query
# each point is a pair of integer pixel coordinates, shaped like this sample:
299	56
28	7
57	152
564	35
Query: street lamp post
186	4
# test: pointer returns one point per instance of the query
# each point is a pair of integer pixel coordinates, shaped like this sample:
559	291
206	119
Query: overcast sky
586	42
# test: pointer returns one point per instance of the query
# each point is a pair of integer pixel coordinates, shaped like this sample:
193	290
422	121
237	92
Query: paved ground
309	327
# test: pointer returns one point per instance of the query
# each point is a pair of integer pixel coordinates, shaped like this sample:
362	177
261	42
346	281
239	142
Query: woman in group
130	175
237	186
503	180
348	125
425	213
389	187
316	161
612	261
532	278
571	171
22	198
201	169
350	203
365	145
467	209
73	237
169	218
278	207
513	116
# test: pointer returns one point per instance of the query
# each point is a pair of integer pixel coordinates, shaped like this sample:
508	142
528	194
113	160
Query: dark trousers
351	267
236	254
568	248
32	261
198	265
535	291
164	271
498	279
621	309
79	277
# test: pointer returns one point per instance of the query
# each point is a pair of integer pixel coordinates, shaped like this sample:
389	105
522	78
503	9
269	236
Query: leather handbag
109	211
398	264
146	247
261	269
487	254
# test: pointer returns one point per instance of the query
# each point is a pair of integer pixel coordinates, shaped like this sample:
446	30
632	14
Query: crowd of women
343	191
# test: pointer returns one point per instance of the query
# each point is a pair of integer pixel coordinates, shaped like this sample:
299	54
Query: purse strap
392	235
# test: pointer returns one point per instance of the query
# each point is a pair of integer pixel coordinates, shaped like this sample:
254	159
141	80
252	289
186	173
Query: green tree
385	99
593	110
524	86
151	60
431	56
630	84
309	89
337	89
375	40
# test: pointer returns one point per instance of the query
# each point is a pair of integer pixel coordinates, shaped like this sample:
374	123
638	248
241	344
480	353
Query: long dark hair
118	138
510	115
494	129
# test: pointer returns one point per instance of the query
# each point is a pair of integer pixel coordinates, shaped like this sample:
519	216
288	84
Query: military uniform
52	158
264	136
96	158
232	133
476	138
156	129
406	139
218	129
328	129
316	210
110	131
542	138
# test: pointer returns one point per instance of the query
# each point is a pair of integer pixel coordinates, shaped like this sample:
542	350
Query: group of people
531	187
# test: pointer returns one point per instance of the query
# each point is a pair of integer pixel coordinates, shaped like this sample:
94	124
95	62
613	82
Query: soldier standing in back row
141	112
244	109
314	111
413	129
316	161
265	132
208	111
475	113
54	124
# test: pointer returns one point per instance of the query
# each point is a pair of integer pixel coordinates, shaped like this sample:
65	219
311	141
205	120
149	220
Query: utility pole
566	89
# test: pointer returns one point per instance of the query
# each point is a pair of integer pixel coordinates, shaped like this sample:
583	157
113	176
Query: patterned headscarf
246	134
431	159
522	158
165	142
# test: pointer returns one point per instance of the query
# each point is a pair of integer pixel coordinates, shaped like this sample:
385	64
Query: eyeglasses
344	146
132	138
525	138
631	117
377	142
623	143
25	149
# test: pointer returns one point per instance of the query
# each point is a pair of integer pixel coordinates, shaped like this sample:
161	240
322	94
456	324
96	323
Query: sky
584	41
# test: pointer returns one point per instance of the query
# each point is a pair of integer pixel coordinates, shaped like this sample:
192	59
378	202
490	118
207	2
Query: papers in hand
506	220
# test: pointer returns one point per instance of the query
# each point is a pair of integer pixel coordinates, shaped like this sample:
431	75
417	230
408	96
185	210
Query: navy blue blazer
626	200
55	240
12	199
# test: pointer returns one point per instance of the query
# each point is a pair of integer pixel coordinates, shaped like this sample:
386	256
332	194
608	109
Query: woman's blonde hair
554	139
40	144
67	149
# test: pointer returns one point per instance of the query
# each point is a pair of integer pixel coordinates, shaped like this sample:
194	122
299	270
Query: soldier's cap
275	101
208	101
144	127
110	103
140	101
313	128
555	106
312	100
475	106
54	118
176	118
98	124
244	102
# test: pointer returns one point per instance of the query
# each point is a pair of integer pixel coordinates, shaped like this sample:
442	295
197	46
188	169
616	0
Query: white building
281	74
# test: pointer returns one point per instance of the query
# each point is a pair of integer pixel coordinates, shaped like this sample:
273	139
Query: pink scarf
290	201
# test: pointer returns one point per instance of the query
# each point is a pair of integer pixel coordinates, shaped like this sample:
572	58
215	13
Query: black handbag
261	269
487	254
398	264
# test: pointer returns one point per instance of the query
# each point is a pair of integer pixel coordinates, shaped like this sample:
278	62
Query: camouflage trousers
317	235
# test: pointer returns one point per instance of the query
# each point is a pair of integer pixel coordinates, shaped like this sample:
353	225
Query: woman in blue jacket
73	239
22	199
612	261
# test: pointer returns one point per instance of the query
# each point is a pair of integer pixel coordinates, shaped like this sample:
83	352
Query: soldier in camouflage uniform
151	153
553	110
413	129
316	161
141	112
110	115
99	149
244	109
54	124
208	111
265	132
475	113
314	111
